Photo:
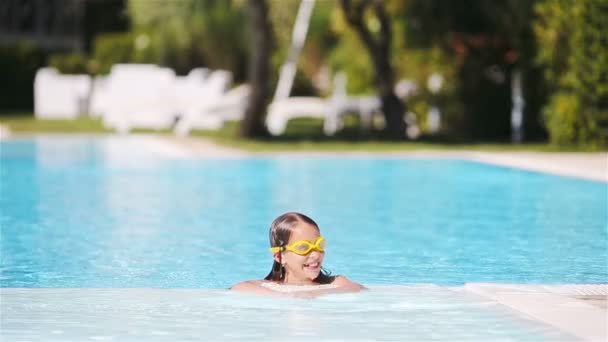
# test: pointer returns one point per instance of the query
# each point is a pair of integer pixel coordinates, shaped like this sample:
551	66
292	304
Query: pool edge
562	306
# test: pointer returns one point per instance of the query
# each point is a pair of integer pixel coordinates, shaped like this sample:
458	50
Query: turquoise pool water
109	213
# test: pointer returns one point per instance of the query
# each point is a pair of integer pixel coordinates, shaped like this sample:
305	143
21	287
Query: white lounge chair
58	96
281	111
99	97
187	89
342	104
331	110
211	105
232	105
363	106
140	96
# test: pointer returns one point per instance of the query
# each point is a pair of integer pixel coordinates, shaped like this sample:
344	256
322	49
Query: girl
298	250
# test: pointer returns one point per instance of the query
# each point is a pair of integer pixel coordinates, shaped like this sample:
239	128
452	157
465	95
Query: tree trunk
252	124
379	50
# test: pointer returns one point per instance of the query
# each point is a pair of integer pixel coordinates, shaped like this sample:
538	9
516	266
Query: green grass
306	135
301	135
22	123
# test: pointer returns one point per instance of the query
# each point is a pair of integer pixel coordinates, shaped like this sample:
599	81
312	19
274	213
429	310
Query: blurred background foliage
573	47
559	46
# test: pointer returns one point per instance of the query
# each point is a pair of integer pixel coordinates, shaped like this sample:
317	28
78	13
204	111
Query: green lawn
29	124
301	135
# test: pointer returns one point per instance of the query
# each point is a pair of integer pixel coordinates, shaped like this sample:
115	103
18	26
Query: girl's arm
343	286
253	286
346	284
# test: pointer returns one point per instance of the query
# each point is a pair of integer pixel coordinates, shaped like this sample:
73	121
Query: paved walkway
205	148
4	132
593	166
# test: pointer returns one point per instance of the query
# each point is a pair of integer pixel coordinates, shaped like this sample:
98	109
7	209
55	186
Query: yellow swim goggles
302	247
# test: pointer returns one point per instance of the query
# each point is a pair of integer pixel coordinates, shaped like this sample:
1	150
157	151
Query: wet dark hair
280	232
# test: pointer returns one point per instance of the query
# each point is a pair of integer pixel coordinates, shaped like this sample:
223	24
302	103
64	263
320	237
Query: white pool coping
591	166
562	306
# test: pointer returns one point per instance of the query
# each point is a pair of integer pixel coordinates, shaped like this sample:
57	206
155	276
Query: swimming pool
99	212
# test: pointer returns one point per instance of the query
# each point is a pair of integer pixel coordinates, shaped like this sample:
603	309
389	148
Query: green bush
560	116
574	49
112	48
69	63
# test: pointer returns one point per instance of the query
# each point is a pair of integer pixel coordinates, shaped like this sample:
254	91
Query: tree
252	124
378	45
189	33
487	40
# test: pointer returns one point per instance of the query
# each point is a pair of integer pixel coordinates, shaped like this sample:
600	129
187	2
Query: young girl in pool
298	250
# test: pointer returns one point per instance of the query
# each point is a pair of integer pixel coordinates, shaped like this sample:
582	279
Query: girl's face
302	269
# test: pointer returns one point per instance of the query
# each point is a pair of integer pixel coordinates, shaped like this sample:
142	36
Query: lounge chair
210	106
331	110
281	111
99	97
58	96
140	96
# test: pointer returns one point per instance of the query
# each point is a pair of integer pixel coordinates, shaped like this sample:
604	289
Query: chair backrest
140	95
140	85
58	96
200	89
218	82
198	74
99	96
